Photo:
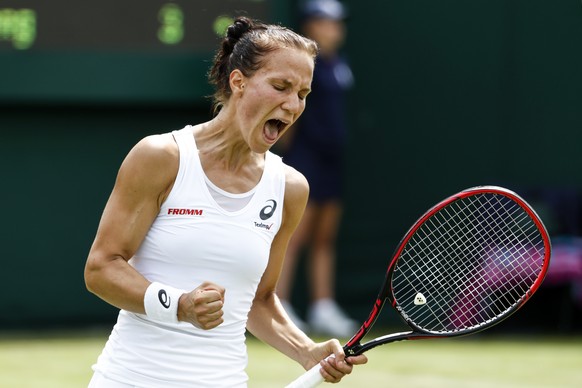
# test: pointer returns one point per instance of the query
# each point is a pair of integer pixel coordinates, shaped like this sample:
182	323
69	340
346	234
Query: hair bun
234	32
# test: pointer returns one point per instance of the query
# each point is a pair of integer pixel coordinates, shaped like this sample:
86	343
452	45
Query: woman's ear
237	81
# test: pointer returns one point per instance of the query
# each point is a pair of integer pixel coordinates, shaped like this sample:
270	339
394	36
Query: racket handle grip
310	379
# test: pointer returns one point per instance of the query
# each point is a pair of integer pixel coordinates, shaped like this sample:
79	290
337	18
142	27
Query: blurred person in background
315	147
192	239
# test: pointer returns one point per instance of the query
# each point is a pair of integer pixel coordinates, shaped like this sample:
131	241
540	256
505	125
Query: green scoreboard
126	50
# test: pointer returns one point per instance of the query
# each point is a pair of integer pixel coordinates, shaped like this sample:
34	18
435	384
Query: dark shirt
317	146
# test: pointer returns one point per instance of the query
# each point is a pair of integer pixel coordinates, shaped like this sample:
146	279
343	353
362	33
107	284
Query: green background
449	94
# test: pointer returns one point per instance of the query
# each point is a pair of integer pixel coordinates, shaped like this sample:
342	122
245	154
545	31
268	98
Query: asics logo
164	298
268	210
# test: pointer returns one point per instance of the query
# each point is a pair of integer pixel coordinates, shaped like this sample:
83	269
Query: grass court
63	360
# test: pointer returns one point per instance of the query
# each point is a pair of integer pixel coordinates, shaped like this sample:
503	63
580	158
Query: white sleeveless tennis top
193	240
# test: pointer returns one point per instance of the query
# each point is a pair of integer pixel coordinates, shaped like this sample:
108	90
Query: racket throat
354	349
358	348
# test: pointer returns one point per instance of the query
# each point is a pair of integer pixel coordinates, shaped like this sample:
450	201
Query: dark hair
244	45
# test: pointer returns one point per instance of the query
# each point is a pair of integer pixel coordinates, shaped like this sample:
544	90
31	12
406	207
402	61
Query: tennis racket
467	264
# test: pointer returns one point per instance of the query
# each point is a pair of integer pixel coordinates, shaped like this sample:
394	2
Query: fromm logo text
185	212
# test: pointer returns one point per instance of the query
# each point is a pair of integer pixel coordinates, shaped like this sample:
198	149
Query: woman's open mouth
273	128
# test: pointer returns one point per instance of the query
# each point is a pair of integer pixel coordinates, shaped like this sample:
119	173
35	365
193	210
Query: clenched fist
202	307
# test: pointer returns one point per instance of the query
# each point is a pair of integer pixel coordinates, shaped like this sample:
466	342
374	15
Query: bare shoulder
296	185
296	195
156	149
151	165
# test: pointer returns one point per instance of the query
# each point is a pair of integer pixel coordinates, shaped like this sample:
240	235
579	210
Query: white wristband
161	302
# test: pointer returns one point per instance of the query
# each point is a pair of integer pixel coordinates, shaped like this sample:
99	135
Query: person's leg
325	316
298	241
288	274
322	255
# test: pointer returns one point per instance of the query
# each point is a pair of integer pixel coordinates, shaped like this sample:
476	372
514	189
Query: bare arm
267	318
144	181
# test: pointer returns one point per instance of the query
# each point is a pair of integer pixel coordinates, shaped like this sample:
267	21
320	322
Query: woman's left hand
335	367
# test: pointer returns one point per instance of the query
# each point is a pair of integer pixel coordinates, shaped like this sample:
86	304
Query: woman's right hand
202	307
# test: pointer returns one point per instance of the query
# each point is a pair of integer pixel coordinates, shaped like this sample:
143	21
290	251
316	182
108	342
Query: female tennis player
192	239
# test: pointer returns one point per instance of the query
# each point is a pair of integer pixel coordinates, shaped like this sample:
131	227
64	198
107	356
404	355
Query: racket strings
471	262
503	242
479	289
